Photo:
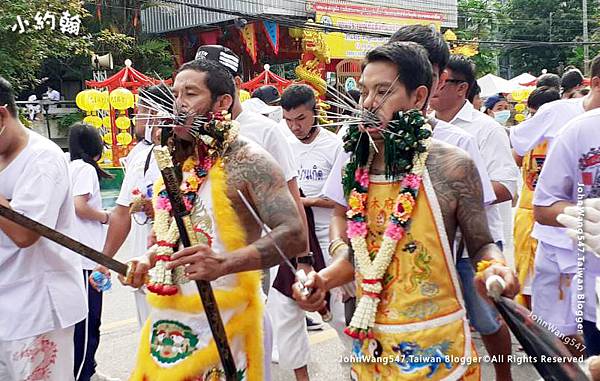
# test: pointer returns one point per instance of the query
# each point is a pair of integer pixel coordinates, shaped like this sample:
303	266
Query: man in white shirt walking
571	174
41	292
451	105
315	150
555	264
141	173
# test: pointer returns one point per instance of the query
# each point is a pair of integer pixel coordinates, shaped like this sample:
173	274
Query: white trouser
268	346
553	288
336	304
290	338
47	357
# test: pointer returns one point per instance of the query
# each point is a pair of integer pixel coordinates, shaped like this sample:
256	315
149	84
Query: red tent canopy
266	78
128	78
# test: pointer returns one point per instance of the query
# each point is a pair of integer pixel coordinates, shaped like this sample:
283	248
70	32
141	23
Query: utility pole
550	32
586	48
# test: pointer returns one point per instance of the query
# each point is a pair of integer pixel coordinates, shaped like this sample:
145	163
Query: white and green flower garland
413	125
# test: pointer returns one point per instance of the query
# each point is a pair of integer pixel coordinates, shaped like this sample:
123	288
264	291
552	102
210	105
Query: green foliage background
25	56
529	21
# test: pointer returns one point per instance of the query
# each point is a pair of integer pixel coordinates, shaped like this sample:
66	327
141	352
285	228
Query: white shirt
458	137
84	181
545	125
315	161
41	286
494	147
285	129
267	134
136	178
275	113
140	146
54	95
134	173
572	173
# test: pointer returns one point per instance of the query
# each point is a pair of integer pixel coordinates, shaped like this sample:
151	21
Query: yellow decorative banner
249	36
359	18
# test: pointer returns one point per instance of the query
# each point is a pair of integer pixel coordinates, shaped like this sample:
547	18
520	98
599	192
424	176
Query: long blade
63	240
266	230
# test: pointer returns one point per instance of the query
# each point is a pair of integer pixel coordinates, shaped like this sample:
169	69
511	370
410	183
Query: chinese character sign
68	24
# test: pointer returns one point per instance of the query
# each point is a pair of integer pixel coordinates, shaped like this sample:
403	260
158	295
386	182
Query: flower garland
163	281
140	201
213	140
418	133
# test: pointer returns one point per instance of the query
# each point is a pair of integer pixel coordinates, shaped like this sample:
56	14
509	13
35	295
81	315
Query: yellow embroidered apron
176	342
525	245
421	329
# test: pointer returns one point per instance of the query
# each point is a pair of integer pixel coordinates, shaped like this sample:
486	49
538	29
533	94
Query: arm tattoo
458	189
256	173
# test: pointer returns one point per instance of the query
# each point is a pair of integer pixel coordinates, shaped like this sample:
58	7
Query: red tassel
351	332
99	9
362	334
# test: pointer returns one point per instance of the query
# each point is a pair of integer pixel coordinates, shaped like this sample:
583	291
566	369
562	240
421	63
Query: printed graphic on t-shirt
311	174
589	164
533	173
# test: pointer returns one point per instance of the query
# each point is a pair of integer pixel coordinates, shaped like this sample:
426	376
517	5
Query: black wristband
307	259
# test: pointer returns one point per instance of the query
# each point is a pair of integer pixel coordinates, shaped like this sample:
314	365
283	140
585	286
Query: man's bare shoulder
248	162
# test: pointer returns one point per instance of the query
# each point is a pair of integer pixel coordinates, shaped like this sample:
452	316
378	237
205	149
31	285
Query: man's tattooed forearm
259	176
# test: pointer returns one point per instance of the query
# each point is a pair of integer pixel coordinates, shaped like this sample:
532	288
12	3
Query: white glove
591	224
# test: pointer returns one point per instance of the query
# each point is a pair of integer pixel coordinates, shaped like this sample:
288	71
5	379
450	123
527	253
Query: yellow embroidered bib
525	245
530	171
421	330
176	342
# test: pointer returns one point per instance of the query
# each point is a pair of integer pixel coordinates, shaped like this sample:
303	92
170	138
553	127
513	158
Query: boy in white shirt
141	173
41	290
315	150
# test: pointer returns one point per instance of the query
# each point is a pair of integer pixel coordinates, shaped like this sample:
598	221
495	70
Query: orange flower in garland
404	205
356	203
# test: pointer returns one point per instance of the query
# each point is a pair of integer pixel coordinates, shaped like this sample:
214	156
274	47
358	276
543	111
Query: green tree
22	54
118	27
116	31
481	20
545	20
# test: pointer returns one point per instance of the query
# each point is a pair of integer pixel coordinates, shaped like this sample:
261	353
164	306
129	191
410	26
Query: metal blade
63	240
266	230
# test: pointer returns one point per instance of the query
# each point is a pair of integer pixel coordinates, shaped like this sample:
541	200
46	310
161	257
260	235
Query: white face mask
148	132
502	116
3	127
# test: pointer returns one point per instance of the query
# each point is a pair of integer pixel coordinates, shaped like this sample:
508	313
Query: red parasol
267	77
132	80
128	78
